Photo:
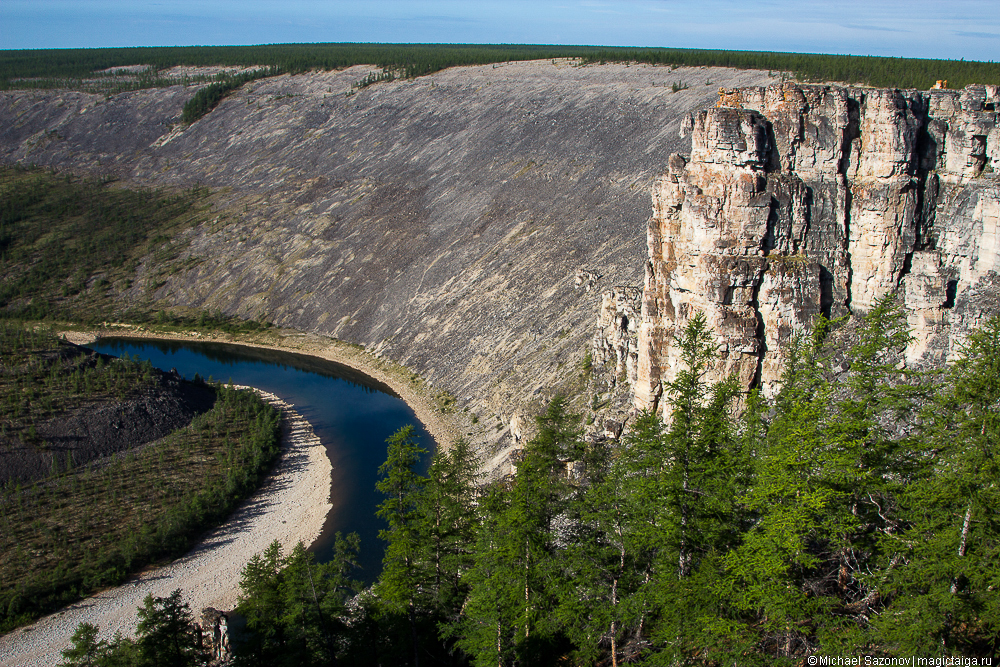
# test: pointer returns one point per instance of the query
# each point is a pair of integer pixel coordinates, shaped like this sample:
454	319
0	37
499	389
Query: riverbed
296	509
352	413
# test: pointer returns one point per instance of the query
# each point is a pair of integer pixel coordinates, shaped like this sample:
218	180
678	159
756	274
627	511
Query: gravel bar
290	507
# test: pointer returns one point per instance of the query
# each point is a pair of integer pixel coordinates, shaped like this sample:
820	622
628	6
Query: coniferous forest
854	512
857	512
94	68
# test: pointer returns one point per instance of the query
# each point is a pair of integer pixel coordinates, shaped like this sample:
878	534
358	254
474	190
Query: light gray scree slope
440	221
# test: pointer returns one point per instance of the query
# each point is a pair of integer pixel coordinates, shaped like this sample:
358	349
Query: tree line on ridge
60	68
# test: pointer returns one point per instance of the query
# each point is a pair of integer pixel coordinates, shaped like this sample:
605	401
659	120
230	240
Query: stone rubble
439	221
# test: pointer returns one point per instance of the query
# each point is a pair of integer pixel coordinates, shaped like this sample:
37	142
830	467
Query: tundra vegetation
68	244
856	512
70	247
84	527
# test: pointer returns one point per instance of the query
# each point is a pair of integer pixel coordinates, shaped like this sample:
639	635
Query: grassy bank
89	527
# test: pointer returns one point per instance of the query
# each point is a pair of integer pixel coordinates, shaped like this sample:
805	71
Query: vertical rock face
616	340
800	200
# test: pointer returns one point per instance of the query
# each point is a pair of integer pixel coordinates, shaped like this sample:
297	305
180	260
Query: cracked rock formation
463	224
799	200
615	343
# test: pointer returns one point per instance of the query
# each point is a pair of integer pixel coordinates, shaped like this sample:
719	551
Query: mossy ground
70	246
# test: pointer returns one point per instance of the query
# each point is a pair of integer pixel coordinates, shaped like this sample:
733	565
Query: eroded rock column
800	200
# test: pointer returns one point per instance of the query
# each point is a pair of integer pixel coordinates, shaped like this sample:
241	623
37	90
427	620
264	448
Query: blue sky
954	29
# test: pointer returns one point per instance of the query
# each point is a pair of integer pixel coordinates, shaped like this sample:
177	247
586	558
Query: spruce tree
294	607
261	603
485	631
87	650
446	526
699	519
652	525
764	587
598	608
511	611
166	633
810	572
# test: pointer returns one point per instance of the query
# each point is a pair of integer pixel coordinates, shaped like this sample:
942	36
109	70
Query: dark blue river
351	413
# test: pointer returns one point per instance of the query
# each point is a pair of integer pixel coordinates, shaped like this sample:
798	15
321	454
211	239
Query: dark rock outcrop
93	430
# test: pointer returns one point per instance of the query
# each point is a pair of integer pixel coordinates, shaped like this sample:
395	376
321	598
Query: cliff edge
797	200
461	224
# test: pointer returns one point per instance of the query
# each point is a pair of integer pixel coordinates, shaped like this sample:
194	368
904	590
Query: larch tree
399	584
943	592
447	525
516	580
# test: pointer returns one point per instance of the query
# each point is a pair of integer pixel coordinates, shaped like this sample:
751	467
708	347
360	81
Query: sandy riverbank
290	507
417	395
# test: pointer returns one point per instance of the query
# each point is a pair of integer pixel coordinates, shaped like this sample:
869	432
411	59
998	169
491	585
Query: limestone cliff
798	200
441	222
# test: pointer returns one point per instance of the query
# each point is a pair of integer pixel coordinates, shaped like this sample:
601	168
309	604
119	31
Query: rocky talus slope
799	200
462	224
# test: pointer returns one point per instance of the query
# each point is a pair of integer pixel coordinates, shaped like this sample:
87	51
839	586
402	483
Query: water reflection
351	413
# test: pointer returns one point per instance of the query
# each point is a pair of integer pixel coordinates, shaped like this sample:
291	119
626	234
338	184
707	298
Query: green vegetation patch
84	528
40	379
164	321
68	244
209	97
